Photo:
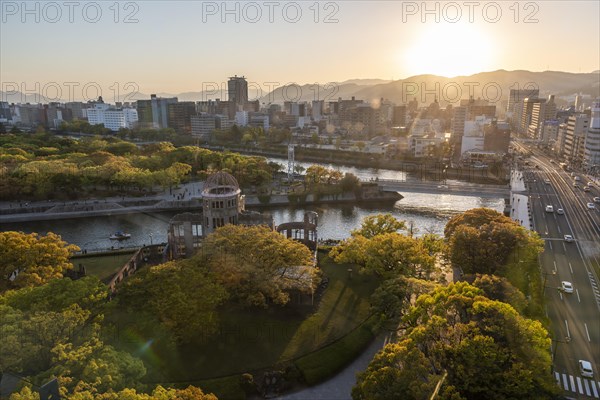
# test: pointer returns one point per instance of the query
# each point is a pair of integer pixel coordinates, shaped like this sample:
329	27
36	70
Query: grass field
252	339
102	266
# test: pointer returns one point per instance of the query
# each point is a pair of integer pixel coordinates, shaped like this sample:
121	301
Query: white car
591	206
596	199
586	188
585	368
567	287
549	209
568	238
560	211
547	181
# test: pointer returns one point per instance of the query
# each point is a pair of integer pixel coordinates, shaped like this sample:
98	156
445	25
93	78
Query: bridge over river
455	189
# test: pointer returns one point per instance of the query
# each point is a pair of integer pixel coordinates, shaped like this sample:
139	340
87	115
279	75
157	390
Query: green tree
387	255
186	308
35	259
258	265
484	241
486	347
379	224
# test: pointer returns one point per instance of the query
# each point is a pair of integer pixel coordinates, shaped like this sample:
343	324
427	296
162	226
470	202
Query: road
575	317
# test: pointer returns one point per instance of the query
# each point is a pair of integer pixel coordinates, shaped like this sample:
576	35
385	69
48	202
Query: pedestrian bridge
454	189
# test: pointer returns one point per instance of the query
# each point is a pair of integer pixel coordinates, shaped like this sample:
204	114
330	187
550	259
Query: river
427	212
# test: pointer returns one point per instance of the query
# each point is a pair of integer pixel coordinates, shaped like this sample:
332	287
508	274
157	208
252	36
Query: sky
182	46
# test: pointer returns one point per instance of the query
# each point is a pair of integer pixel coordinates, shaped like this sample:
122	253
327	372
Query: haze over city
341	200
174	47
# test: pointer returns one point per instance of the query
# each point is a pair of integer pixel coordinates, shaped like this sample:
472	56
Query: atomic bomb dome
219	184
221	201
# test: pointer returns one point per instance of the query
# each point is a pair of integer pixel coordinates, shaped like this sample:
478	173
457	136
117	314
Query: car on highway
568	238
575	185
591	206
560	211
596	199
549	209
566	287
586	188
585	368
547	181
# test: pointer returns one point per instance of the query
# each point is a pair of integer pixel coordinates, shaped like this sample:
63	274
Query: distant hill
496	83
424	87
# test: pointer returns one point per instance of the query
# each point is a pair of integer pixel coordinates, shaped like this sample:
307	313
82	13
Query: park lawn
250	340
102	266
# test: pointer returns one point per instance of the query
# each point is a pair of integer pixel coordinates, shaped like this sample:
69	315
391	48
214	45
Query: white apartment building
112	118
574	140
473	136
592	138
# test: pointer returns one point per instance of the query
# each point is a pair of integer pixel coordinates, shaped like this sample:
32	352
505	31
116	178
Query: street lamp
150	238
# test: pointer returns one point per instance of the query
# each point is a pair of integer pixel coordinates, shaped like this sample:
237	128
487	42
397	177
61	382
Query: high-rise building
202	126
317	109
592	139
526	112
542	111
517	96
78	109
5	114
237	89
154	113
179	116
574	140
399	115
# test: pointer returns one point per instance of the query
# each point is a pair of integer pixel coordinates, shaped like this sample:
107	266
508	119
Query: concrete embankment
195	204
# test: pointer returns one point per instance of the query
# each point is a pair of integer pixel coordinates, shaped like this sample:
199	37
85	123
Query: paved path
519	203
340	386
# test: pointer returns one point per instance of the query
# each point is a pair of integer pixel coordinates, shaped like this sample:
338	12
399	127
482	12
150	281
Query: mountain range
493	86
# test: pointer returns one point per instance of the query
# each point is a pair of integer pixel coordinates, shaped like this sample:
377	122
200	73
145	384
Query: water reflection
428	213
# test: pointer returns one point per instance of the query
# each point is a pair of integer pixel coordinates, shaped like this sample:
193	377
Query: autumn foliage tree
257	265
379	249
483	241
182	295
31	260
487	349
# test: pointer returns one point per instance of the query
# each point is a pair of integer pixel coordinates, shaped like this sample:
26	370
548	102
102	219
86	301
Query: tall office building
517	96
574	140
154	113
237	89
179	116
592	139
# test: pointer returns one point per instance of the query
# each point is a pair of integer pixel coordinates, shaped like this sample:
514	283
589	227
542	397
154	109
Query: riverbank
94	208
422	168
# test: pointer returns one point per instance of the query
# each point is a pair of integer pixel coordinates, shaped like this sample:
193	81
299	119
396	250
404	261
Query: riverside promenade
519	201
187	197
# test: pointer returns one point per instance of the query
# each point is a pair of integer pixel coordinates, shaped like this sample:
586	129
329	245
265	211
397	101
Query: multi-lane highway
575	317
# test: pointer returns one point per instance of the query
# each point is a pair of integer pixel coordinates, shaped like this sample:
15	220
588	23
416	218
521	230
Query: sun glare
448	50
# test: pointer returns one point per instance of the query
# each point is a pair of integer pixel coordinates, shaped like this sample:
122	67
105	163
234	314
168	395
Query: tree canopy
182	295
31	260
483	241
258	265
487	349
378	248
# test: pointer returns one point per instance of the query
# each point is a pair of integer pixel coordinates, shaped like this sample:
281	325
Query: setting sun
448	50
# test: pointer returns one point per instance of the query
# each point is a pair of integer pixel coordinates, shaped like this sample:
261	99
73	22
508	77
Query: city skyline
170	49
